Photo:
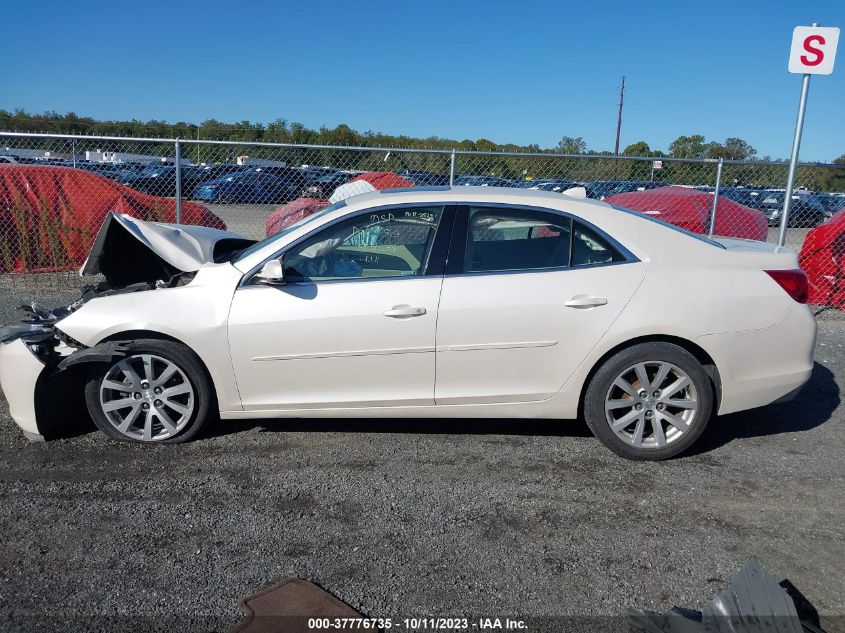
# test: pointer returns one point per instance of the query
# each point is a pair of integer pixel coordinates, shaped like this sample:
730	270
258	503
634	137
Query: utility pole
619	119
619	125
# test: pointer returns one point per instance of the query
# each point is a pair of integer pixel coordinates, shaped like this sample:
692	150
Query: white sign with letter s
813	50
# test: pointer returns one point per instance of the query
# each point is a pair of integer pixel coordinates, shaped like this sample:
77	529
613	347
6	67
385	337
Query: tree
341	135
484	145
733	149
570	145
640	148
688	147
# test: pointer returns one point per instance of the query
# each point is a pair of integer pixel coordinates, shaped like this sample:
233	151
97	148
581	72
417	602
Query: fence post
178	181
452	169
716	197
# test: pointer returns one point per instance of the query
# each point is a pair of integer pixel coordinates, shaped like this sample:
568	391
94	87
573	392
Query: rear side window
502	240
516	239
590	248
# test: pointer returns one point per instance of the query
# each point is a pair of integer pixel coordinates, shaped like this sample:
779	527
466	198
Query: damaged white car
427	302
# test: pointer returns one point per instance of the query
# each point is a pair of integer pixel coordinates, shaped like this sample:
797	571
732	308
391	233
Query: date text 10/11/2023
418	624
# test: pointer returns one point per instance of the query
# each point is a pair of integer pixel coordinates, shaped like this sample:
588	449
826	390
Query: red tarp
384	180
823	259
49	216
293	212
690	210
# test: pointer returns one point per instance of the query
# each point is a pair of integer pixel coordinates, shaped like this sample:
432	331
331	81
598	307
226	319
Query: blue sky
522	72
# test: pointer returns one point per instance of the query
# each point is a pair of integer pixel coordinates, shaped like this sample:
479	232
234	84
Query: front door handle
398	312
585	301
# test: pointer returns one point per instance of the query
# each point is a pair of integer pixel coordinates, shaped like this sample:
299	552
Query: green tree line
602	166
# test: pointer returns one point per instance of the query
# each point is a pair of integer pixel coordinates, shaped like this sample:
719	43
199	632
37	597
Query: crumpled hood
128	250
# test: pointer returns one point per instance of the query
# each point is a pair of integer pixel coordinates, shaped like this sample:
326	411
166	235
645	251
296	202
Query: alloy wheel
147	397
651	404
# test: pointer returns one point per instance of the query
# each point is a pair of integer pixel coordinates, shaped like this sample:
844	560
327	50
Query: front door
354	325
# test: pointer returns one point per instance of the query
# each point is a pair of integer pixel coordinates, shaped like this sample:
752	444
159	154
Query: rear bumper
763	366
20	370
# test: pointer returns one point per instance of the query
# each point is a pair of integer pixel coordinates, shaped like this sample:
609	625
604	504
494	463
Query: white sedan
427	302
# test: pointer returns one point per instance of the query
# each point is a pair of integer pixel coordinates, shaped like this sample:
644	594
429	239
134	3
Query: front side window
516	239
380	243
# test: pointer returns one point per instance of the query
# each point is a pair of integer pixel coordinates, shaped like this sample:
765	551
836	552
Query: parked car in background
115	171
195	175
552	184
832	202
424	178
322	185
806	209
601	189
742	195
469	180
247	188
297	176
161	181
153	178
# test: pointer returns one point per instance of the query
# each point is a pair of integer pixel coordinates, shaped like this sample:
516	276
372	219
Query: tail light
794	282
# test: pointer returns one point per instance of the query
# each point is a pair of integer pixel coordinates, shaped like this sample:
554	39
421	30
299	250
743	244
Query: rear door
528	293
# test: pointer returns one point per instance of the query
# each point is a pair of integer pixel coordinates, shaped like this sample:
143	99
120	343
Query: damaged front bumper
20	370
34	358
42	375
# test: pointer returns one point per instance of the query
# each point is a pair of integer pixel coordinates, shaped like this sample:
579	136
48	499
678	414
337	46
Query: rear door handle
398	312
585	301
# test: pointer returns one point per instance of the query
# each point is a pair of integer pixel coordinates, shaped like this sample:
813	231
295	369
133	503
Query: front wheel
158	393
651	401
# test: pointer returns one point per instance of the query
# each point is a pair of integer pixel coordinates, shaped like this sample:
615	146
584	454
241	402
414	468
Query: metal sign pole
793	160
716	197
178	176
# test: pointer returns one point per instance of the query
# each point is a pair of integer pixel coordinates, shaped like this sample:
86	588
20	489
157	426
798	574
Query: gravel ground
246	219
404	518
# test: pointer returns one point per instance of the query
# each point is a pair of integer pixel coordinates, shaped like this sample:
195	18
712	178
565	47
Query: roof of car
465	192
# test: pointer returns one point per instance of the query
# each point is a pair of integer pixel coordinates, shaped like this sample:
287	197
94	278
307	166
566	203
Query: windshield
310	218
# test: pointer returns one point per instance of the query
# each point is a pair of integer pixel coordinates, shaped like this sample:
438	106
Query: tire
649	427
171	412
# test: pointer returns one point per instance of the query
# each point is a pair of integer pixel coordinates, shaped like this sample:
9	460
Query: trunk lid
762	255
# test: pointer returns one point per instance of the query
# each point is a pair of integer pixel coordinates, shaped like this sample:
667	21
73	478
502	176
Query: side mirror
271	274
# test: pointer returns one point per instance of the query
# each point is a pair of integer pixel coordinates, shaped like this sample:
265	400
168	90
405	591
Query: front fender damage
43	373
107	352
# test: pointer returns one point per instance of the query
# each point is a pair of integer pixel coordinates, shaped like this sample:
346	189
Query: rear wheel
649	402
158	393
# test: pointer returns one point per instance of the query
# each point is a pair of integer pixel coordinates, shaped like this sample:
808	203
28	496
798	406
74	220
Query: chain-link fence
49	216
